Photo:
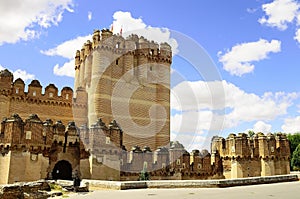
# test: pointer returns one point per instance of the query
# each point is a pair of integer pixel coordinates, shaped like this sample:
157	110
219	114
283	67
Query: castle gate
62	170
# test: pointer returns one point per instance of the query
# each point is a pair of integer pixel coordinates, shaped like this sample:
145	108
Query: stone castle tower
126	80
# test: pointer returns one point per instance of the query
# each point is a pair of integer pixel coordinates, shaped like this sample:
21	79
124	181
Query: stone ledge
117	185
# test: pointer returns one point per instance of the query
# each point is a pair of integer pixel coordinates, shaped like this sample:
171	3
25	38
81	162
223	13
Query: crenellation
47	104
261	155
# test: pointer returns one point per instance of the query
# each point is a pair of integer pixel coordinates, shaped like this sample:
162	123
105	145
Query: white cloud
68	48
291	125
66	70
297	36
192	141
20	18
261	126
25	76
238	60
279	13
130	25
121	19
194	121
90	15
200	106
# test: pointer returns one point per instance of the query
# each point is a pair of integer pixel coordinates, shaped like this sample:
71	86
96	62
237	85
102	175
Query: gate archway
62	170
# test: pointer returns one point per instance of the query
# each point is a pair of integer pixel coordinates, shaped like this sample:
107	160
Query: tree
294	141
251	133
295	162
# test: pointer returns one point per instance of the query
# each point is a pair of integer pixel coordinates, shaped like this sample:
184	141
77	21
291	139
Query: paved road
287	190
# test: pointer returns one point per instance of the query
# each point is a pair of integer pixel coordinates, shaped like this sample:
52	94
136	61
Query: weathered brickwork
32	148
261	155
127	80
47	104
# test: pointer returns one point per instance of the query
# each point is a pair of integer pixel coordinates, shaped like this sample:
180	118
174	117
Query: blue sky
254	46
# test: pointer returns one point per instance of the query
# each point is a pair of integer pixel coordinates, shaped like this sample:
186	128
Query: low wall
25	190
97	184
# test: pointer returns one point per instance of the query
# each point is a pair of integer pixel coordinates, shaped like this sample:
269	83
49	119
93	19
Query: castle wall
85	169
5	167
48	105
257	156
46	110
105	168
26	166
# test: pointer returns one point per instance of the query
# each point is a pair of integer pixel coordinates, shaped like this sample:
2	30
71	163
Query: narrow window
178	161
117	61
50	94
34	93
107	140
151	68
28	135
118	45
145	165
17	90
67	96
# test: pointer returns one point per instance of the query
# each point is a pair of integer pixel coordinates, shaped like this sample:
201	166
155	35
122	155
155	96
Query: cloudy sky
235	65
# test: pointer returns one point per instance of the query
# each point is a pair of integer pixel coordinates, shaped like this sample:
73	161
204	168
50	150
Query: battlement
258	146
259	155
16	89
35	135
47	102
119	45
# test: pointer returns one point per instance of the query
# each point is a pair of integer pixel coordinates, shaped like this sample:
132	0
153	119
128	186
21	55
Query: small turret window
107	141
117	61
17	90
145	165
50	94
34	93
67	96
152	52
28	135
118	45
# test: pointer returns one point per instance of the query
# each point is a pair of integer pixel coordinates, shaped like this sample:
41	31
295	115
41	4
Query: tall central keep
126	80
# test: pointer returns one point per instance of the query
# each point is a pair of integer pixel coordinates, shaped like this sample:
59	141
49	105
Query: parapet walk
171	184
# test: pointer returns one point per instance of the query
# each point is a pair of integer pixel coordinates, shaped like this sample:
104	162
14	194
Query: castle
120	110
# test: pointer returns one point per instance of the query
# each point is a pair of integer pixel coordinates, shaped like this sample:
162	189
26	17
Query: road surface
287	190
